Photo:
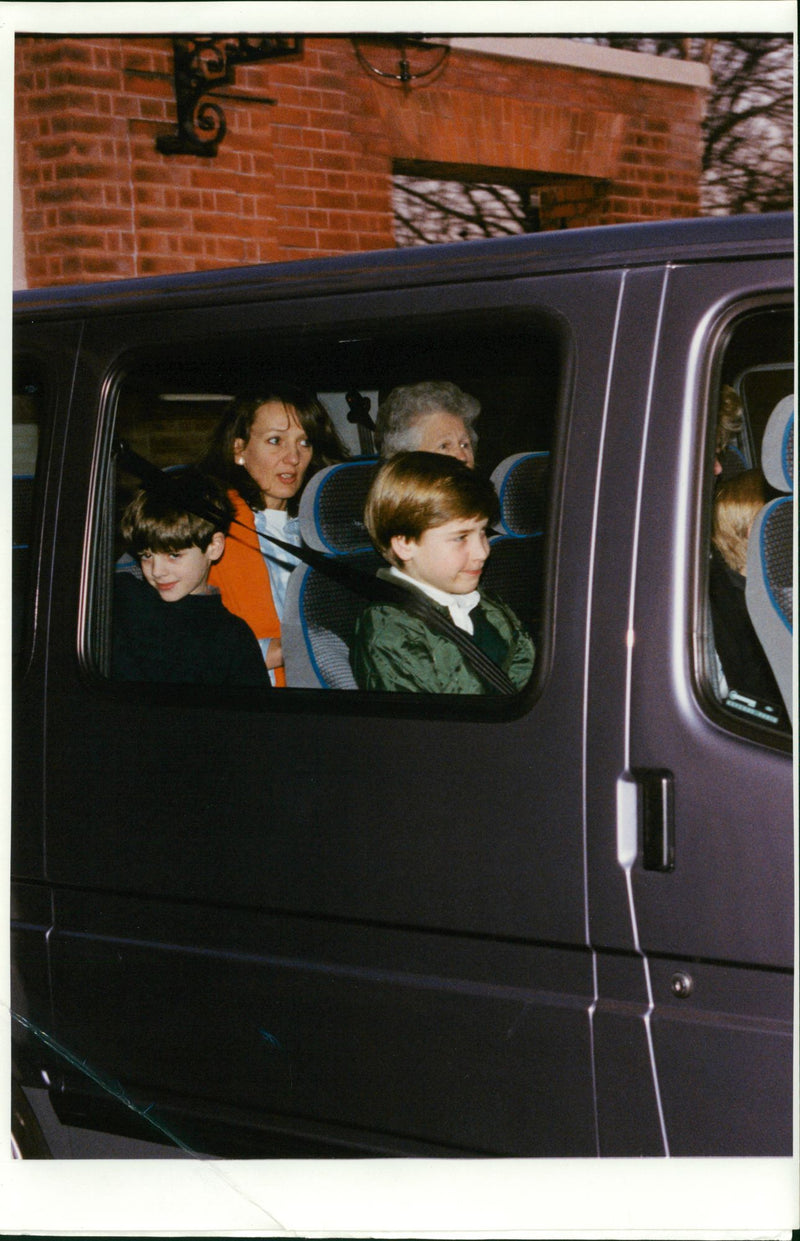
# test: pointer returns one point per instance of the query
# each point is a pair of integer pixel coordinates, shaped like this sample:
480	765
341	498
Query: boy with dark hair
172	626
427	514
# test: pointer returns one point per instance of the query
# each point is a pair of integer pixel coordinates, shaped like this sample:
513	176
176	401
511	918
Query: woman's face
277	454
445	433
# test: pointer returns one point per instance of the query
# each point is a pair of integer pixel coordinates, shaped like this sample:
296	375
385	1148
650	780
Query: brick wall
312	174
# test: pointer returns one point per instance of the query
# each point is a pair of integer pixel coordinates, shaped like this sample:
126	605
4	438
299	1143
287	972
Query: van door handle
656	816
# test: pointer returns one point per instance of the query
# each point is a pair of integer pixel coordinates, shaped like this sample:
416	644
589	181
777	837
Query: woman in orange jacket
266	447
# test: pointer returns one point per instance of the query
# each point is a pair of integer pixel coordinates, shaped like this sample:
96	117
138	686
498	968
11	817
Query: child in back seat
427	514
172	625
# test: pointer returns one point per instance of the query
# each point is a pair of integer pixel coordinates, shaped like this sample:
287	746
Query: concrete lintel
589	56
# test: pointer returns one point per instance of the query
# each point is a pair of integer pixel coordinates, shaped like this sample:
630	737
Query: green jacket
393	650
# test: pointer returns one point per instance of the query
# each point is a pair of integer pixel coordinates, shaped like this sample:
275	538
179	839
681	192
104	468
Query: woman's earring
240	461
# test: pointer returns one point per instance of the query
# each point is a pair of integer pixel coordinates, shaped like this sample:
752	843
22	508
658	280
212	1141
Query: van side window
749	621
28	413
168	400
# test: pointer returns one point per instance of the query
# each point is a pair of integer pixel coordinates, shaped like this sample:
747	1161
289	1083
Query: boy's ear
217	545
402	547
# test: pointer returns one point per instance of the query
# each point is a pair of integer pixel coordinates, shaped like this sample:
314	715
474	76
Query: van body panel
391	926
435	858
728	845
720	823
295	1002
47	357
724	1057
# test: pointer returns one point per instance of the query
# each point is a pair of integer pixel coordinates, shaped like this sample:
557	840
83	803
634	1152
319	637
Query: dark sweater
194	640
744	663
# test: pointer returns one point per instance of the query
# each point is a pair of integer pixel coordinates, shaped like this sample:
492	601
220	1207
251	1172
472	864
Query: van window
165	402
28	413
755	374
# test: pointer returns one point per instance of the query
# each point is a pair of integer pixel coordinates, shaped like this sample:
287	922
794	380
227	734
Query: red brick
149	265
73	240
335	240
105	218
294	157
304	237
332	160
45	51
276	191
70	193
191	244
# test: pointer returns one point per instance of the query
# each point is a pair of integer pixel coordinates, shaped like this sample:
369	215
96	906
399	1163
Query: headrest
521	484
777	446
332	508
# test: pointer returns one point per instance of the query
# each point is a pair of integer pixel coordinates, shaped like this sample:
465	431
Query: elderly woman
428	417
264	450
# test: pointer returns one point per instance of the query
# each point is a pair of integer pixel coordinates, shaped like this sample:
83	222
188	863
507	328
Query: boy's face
178	574
450	557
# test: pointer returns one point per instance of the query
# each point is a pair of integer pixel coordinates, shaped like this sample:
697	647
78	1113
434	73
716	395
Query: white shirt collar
459	606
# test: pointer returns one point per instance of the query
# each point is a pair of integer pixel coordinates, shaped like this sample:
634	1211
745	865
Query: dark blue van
321	921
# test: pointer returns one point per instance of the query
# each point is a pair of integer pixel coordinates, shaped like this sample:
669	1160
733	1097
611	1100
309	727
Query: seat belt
378	590
368	586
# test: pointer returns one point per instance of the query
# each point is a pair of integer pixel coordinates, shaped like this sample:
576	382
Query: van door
690	838
359	924
43	375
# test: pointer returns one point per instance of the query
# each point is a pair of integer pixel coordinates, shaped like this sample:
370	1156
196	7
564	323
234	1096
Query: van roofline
606	246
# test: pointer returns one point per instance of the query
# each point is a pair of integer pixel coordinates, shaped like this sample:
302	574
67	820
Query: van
320	921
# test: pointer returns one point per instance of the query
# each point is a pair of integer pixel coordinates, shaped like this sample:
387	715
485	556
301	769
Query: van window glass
28	411
165	403
745	656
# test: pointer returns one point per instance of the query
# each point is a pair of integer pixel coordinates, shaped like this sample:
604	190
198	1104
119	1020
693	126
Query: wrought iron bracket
202	65
401	45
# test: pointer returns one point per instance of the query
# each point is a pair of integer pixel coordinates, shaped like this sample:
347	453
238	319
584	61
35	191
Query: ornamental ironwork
205	65
430	54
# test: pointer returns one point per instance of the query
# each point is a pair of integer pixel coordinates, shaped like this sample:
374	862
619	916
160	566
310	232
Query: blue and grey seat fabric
769	590
320	614
514	568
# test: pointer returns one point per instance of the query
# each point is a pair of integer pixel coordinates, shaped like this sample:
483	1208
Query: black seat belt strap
368	586
378	590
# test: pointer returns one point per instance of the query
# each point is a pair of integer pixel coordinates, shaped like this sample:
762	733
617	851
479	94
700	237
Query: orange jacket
242	578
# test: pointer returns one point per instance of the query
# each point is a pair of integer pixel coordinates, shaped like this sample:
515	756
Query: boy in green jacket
427	515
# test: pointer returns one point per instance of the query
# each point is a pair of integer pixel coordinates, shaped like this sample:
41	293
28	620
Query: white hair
397	423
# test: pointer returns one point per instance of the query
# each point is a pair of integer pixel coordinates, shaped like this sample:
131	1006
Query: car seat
769	590
320	613
514	569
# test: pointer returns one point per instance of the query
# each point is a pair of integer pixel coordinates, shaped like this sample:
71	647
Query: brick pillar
74	156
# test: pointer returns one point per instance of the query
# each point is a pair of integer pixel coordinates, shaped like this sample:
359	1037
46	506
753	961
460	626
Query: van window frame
552	328
718	340
26	593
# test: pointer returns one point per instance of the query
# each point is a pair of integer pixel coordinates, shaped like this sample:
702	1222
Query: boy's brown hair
415	491
185	509
736	503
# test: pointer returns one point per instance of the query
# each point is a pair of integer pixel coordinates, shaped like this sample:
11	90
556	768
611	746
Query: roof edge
612	245
590	57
